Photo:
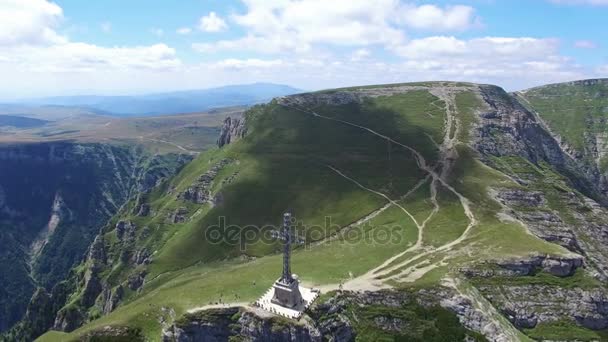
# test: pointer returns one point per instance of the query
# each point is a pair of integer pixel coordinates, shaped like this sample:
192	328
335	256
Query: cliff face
576	114
346	316
54	197
507	128
232	130
531	183
561	198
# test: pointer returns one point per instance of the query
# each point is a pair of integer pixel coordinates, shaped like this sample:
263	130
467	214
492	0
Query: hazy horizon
68	47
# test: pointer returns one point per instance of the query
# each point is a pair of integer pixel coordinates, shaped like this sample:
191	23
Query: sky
114	47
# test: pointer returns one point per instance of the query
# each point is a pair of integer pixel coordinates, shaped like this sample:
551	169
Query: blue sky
126	47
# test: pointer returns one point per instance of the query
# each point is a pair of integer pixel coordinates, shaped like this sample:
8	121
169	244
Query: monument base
287	294
267	303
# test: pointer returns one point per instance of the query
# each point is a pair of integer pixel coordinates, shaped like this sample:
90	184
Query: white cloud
83	57
260	44
585	44
39	59
494	48
233	63
184	30
581	2
106	27
345	22
301	38
360	54
212	23
299	26
501	60
431	17
29	22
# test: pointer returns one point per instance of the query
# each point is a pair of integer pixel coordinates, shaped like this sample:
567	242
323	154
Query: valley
451	197
189	133
61	179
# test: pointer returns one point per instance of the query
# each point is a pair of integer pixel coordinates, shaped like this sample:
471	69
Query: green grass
55	336
579	280
328	263
468	104
566	108
423	324
418	203
447	224
283	164
565	331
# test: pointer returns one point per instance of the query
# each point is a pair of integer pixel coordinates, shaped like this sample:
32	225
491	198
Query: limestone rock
68	319
179	215
112	298
232	130
200	191
125	231
136	281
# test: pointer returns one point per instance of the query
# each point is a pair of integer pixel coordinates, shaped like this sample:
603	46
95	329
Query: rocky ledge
556	266
543	289
344	316
232	130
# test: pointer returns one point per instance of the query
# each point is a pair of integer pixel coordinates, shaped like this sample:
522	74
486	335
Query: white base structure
308	296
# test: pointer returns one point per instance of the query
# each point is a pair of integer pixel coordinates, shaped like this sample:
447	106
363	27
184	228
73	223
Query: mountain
42	112
173	102
435	211
21	121
179	133
61	180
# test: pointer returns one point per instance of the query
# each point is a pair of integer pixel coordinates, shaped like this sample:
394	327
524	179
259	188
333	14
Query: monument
286	297
287	288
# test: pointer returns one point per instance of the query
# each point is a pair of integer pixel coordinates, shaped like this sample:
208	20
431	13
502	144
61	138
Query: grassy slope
571	109
282	164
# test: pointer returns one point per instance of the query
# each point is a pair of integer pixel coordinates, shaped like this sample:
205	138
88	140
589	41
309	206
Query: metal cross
288	238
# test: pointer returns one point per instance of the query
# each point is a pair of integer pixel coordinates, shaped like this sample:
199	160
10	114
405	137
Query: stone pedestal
287	294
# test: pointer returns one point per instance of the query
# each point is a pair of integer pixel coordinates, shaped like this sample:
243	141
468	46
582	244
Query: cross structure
287	288
286	297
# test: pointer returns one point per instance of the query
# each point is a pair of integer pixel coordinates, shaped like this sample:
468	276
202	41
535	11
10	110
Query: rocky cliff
54	199
345	316
511	226
232	130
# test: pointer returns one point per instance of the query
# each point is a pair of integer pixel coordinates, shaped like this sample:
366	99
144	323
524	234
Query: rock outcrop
200	191
507	128
511	287
111	298
526	306
141	208
54	199
556	266
232	130
230	323
337	319
179	215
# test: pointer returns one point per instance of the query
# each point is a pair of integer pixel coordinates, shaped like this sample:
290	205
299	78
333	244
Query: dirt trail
447	152
448	156
377	193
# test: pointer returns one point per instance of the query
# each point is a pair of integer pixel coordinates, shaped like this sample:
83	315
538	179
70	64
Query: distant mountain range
20	121
171	102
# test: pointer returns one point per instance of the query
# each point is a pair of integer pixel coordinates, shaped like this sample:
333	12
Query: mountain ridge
171	102
493	219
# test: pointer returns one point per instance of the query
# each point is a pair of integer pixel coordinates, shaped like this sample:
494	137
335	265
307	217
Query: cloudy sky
127	47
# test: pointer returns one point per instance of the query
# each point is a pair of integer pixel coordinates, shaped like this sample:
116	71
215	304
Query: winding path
447	152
